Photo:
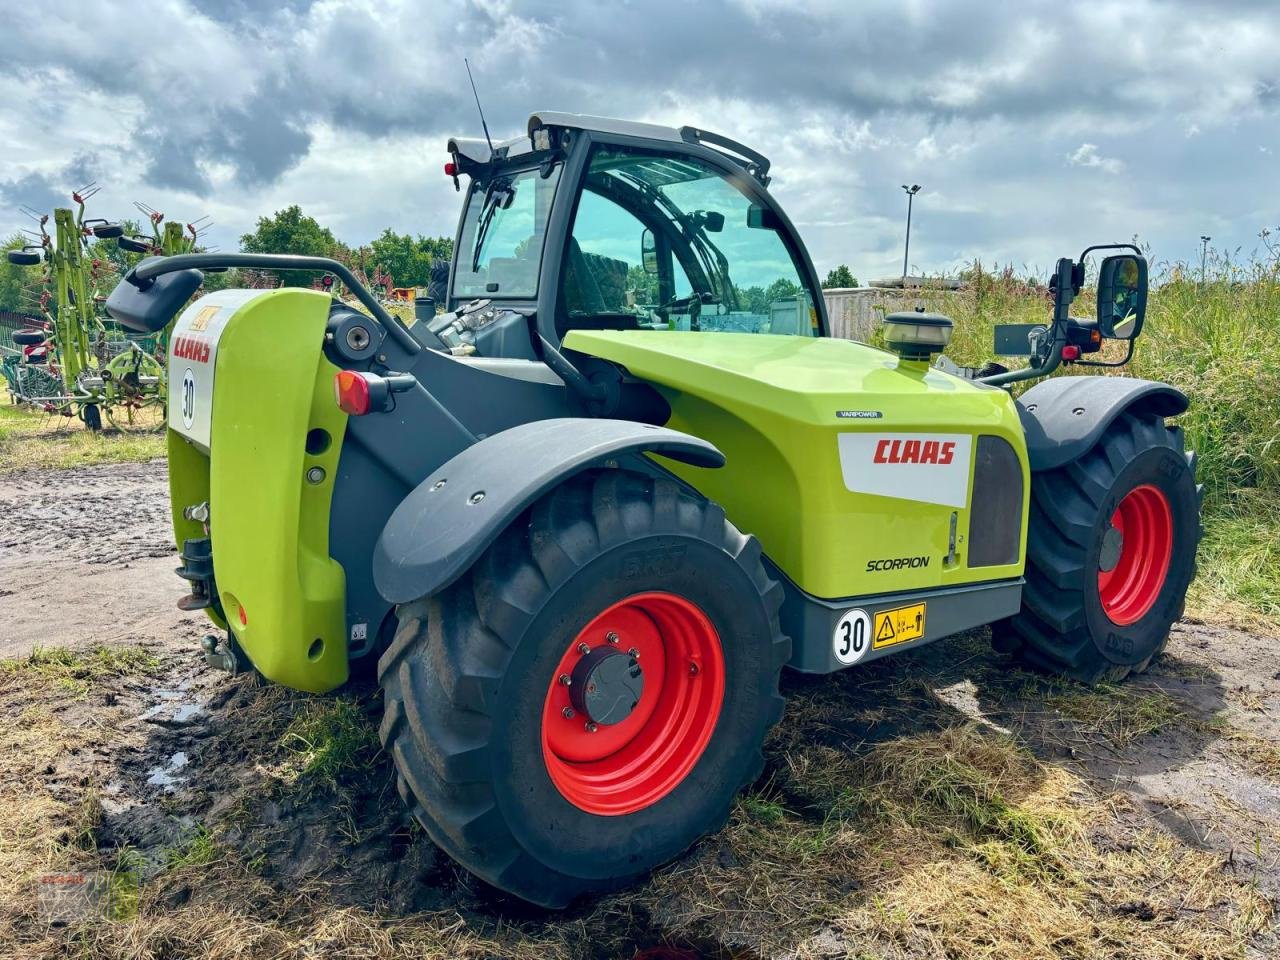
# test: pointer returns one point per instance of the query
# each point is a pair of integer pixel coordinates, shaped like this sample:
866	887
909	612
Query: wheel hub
606	685
1141	537
1112	548
616	738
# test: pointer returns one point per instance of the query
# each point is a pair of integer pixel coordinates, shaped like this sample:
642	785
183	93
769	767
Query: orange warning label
898	626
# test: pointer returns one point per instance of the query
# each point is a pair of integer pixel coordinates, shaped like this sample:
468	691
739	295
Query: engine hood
817	380
837	455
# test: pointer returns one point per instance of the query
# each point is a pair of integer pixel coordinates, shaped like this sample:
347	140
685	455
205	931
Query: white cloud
1086	155
239	107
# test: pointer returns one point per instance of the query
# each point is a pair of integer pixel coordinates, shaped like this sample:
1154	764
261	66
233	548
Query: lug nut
583	649
611	637
635	654
567	713
693	669
591	727
565	680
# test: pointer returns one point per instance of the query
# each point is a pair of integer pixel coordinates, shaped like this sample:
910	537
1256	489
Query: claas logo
191	348
914	451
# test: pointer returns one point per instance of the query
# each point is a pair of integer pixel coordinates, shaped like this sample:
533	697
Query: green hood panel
778	407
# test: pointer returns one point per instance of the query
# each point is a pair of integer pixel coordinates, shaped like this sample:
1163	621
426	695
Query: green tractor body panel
269	497
811	429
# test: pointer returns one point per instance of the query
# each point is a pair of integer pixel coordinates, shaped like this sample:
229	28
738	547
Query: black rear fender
1064	417
443	526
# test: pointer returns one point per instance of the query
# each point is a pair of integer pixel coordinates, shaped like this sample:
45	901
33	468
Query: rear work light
359	393
351	392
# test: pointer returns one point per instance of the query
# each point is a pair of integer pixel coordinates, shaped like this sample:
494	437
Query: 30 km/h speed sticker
188	398
899	626
852	636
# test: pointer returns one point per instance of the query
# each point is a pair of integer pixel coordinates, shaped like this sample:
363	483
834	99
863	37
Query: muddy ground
251	821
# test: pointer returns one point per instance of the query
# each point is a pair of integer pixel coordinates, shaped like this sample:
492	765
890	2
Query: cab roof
477	150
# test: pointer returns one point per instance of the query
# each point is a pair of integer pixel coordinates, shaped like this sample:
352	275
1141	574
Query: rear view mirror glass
1122	296
649	252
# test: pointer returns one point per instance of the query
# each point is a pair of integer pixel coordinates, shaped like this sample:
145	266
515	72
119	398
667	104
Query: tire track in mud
104	514
86	557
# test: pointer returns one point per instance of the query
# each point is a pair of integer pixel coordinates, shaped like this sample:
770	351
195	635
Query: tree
841	276
407	259
291	231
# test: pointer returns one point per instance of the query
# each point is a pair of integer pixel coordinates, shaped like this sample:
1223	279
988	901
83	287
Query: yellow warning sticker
202	318
898	626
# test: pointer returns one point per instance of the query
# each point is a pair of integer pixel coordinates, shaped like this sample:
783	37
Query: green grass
76	671
198	850
329	740
32	439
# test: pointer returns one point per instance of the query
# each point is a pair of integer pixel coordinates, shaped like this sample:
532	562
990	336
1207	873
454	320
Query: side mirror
135	244
712	221
148	308
25	258
649	252
1122	296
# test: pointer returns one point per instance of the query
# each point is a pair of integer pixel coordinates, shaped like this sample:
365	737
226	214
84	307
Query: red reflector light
244	618
1070	352
450	169
351	393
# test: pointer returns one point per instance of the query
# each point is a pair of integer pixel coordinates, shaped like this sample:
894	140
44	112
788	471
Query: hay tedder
583	518
76	361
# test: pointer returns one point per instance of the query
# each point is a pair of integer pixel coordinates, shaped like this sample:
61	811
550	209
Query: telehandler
584	516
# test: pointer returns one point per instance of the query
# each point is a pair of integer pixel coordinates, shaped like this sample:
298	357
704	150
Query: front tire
646	597
1111	550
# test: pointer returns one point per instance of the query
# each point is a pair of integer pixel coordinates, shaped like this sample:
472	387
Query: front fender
449	519
1063	417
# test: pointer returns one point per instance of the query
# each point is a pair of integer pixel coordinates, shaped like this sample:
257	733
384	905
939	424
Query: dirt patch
937	803
86	556
108	514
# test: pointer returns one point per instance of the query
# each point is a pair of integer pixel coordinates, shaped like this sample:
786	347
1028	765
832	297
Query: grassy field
35	440
894	820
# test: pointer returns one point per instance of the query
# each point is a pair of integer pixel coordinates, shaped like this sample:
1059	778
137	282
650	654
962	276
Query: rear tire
1111	551
472	684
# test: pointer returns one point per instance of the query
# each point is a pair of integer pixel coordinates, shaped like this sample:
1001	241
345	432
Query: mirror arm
1050	364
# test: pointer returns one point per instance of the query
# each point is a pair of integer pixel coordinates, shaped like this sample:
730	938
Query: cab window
670	243
505	224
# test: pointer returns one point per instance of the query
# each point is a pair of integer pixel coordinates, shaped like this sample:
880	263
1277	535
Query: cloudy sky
1035	128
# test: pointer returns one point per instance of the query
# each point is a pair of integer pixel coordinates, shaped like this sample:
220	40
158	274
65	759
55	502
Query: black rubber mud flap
440	528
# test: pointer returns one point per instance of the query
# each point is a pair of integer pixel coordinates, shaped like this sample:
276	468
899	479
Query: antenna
484	125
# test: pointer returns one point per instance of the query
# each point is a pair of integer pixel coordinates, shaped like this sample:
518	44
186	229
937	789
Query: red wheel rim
626	766
1145	523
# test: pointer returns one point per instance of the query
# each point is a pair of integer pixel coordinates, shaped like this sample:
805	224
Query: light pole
906	252
1204	256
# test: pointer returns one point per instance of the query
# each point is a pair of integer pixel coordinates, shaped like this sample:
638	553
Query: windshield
500	248
662	242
